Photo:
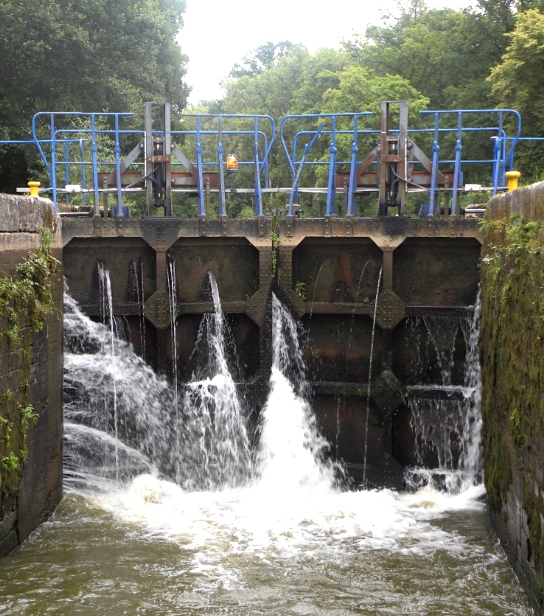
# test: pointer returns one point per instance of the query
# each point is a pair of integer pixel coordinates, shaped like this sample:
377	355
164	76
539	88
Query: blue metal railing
296	165
502	156
216	135
67	149
261	142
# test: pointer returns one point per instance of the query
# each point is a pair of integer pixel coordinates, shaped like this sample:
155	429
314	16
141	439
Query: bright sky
218	33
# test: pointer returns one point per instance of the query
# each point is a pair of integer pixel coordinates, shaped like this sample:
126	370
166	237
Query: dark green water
153	549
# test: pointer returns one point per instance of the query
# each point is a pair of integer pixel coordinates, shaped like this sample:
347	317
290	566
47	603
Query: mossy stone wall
512	360
30	366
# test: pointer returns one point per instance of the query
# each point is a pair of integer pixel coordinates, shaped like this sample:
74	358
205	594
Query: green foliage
263	58
83	55
300	290
511	348
275	245
25	303
25	295
517	82
359	89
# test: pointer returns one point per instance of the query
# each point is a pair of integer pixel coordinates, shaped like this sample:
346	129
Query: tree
424	47
84	55
264	57
360	90
518	83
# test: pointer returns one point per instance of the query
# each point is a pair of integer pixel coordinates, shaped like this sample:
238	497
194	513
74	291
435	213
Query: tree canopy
487	56
84	55
112	55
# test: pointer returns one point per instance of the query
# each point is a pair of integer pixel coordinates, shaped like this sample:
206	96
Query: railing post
350	209
94	150
258	191
433	205
201	199
54	162
222	195
331	188
457	168
117	151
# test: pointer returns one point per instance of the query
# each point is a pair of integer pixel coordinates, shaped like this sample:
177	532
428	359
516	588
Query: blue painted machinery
102	156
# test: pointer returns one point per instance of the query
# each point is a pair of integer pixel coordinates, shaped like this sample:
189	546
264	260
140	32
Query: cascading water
134	417
449	424
213	409
370	376
281	541
292	452
115	407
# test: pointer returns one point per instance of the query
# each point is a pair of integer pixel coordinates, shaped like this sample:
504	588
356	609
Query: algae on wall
25	303
512	359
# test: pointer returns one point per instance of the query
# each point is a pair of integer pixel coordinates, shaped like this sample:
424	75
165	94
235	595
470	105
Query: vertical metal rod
207	198
167	150
117	150
433	205
496	164
350	209
82	157
221	166
201	202
94	150
149	165
53	162
258	191
402	166
66	169
331	188
457	168
384	172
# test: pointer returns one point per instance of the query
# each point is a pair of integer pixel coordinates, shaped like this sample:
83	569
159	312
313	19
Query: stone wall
512	357
30	366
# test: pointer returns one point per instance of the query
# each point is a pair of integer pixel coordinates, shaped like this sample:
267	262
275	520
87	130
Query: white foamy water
160	533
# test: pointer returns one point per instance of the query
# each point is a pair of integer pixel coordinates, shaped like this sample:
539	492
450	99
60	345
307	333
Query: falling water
448	425
133	420
213	408
106	309
115	408
370	374
292	452
284	541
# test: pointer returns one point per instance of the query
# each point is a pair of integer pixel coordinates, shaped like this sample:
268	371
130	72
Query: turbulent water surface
168	511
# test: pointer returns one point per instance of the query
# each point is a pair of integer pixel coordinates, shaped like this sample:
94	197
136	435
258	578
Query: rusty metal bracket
157	310
390	310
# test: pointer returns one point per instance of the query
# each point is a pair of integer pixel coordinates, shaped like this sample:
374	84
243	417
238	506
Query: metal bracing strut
158	160
393	160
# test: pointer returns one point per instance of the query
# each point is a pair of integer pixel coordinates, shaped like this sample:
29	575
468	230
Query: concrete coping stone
26	214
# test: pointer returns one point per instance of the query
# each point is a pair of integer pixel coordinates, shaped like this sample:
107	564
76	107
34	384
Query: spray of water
292	453
449	424
123	419
285	511
213	409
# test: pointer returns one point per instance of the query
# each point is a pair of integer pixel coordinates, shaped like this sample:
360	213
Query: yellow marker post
512	178
34	188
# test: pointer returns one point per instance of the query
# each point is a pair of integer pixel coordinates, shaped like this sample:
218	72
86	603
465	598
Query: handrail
208	136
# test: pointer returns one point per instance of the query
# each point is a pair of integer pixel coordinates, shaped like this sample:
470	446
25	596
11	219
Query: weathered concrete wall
30	370
512	357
